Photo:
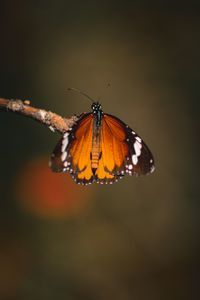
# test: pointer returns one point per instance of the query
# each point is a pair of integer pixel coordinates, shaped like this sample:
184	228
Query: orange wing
114	151
80	149
72	153
126	153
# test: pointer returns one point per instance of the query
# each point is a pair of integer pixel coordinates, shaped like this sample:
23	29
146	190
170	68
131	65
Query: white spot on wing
66	135
137	147
138	139
64	156
65	163
64	143
134	159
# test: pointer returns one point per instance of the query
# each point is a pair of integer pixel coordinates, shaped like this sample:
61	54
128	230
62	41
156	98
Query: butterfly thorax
97	113
96	148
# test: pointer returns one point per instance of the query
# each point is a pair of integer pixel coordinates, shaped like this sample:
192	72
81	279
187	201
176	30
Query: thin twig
54	121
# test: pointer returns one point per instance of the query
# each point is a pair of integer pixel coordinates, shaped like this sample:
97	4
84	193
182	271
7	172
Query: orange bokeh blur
48	194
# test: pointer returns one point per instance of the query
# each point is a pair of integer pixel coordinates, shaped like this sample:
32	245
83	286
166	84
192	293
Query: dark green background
138	239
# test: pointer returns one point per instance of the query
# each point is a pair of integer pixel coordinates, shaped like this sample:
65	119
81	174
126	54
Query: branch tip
52	120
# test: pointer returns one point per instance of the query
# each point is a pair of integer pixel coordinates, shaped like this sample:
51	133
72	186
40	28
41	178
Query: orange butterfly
101	148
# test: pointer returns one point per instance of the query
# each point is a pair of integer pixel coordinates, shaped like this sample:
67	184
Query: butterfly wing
113	152
72	153
123	151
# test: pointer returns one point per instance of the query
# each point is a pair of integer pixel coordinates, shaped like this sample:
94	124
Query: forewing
72	152
123	151
113	150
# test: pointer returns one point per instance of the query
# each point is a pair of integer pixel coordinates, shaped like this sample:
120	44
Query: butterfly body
96	144
101	148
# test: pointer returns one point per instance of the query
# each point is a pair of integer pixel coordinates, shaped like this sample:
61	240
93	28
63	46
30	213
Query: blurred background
139	238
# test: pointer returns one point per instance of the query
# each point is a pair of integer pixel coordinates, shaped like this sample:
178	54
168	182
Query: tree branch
53	121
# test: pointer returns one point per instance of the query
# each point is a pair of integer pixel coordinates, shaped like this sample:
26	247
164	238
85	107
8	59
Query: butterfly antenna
82	93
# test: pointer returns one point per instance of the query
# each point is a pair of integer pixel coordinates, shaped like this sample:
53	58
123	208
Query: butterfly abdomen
95	156
95	161
96	150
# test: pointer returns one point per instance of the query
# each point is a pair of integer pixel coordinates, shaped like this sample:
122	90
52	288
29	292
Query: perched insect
101	148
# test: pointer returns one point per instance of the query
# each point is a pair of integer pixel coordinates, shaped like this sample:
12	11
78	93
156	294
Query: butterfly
101	148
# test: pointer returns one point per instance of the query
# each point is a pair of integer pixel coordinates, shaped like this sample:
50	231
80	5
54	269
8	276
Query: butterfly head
96	106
